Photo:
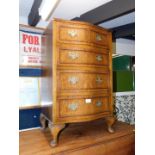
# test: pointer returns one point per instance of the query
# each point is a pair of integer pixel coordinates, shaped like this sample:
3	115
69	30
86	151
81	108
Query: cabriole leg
55	130
110	121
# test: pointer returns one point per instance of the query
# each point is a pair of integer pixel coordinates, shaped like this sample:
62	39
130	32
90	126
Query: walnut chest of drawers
79	75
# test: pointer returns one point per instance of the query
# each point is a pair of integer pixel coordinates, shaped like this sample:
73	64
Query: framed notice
29	93
32	49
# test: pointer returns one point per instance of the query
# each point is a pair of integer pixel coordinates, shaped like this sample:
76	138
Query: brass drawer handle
98	37
99	57
73	55
98	103
73	80
99	79
72	33
73	106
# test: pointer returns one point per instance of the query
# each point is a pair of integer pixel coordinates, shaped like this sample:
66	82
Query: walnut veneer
79	74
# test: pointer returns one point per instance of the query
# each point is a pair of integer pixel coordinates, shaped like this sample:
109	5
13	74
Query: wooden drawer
72	33
81	107
82	34
70	80
82	57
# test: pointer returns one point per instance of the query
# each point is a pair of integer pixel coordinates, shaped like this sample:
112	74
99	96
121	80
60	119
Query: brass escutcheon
73	55
73	80
73	106
99	58
98	37
98	103
72	33
99	79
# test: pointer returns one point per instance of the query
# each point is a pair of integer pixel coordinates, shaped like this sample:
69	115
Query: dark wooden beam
123	31
34	17
108	11
130	37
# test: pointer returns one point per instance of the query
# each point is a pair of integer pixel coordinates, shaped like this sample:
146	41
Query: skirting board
29	129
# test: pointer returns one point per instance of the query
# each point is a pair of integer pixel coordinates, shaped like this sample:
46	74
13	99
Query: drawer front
99	38
80	34
81	107
74	34
82	80
82	57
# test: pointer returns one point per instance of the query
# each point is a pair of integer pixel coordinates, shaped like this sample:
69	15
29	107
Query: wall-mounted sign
32	49
29	92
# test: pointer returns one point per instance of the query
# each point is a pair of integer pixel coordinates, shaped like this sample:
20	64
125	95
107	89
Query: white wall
124	47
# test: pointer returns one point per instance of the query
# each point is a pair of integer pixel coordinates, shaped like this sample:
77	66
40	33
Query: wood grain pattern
110	73
81	33
80	139
82	57
83	108
70	94
83	80
72	33
84	47
80	67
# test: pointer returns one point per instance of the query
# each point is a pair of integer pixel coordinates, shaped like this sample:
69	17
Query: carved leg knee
55	130
110	121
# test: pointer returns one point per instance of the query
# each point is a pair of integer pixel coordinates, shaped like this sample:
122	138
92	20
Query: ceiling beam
108	11
33	17
127	30
129	37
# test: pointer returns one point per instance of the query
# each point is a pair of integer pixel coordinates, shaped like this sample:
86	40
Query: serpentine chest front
79	73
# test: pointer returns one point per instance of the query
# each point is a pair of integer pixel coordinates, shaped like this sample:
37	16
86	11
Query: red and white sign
32	49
